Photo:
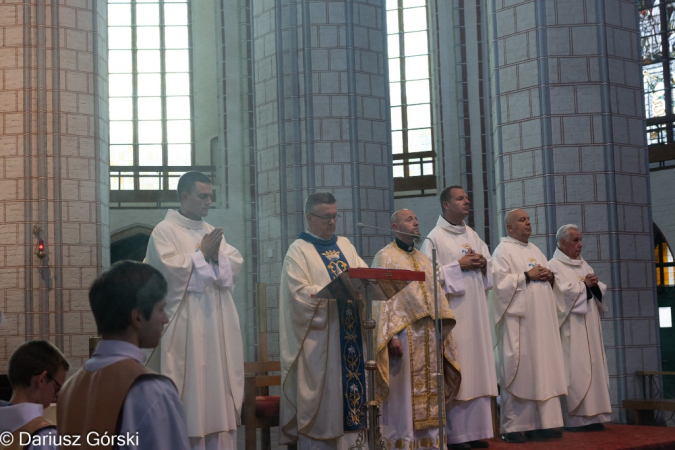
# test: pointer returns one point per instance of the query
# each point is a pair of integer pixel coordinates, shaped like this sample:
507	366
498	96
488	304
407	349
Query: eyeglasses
58	385
327	218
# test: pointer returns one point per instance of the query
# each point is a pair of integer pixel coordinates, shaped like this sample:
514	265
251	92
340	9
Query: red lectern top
383	283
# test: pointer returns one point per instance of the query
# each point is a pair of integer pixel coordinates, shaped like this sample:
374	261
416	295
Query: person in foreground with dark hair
201	350
114	394
36	372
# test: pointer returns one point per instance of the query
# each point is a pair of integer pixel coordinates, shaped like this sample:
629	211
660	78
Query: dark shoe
590	427
515	437
479	444
462	446
539	435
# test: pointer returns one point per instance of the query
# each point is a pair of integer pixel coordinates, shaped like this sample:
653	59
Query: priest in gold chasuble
405	383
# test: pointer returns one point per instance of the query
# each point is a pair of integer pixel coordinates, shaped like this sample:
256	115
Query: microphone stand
439	332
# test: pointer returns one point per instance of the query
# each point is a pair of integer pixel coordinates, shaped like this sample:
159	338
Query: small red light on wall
41	249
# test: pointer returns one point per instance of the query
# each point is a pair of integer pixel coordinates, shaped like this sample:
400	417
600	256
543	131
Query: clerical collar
405	247
189	218
314	239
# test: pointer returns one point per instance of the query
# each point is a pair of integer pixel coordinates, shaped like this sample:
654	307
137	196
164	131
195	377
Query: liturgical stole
351	347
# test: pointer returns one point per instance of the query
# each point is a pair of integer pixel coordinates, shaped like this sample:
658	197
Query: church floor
615	437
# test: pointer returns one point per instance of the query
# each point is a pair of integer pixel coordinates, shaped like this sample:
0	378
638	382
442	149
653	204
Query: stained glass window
657	29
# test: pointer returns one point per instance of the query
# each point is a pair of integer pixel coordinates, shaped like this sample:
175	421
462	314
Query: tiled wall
571	149
321	124
53	133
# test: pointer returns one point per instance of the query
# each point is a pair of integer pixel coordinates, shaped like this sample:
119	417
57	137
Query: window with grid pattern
150	95
410	92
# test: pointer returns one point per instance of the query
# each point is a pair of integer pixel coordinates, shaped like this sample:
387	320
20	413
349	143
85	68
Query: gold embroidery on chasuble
335	266
421	337
421	444
412	309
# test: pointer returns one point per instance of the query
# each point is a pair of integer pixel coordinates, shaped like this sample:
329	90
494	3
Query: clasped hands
472	261
211	244
540	273
591	280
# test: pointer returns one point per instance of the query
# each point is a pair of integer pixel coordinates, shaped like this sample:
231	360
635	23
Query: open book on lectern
383	283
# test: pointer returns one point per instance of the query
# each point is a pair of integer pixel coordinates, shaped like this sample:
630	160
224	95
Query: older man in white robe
529	355
313	409
201	349
466	276
581	294
406	350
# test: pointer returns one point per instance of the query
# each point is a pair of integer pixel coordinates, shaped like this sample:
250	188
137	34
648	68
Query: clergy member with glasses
323	392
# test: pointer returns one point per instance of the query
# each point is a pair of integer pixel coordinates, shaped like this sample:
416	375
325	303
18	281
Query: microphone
417	237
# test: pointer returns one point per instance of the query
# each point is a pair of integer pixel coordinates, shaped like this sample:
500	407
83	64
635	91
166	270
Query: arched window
665	267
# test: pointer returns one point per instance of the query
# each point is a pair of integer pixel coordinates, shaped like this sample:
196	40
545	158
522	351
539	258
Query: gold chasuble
413	310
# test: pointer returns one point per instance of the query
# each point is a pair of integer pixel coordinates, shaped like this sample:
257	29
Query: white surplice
588	398
467	293
201	348
529	354
309	340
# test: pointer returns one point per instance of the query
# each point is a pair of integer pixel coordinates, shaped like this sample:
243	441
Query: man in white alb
201	348
529	355
466	276
577	287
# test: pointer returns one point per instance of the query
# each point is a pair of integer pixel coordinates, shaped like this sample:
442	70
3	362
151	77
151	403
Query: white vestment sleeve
487	277
203	274
581	304
454	281
153	412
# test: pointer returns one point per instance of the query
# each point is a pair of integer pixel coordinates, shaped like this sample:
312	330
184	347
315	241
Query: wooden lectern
371	285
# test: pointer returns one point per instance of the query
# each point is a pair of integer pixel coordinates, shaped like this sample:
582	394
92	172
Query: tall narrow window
665	266
657	29
150	94
410	91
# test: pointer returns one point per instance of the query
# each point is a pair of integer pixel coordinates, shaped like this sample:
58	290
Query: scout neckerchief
351	351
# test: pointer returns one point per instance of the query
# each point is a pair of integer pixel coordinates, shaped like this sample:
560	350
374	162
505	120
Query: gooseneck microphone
390	231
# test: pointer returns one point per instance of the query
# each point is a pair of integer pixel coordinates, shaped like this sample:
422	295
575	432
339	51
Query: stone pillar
461	106
570	148
321	123
54	170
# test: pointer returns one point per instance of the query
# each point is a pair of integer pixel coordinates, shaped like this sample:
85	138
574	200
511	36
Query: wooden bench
261	410
644	407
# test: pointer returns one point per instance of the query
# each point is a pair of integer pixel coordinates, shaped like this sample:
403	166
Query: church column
54	170
321	122
570	148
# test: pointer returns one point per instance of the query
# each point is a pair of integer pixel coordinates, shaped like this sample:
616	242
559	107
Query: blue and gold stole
351	347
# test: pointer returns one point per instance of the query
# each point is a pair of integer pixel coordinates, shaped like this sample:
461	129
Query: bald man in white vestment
466	276
405	384
578	289
530	365
201	349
